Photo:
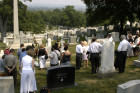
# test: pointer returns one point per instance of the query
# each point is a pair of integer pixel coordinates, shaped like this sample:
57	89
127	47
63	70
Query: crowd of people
128	46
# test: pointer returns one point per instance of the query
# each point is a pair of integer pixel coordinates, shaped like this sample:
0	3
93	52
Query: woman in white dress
28	81
84	55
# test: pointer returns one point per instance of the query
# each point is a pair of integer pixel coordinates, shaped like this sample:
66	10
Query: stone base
103	75
136	63
75	84
17	46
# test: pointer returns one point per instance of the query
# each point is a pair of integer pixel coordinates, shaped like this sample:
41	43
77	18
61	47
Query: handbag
46	56
44	89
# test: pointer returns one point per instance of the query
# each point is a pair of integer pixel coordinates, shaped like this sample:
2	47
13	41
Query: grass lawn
87	82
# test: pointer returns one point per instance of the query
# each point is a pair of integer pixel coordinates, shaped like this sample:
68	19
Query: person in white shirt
110	37
55	54
79	51
94	50
122	49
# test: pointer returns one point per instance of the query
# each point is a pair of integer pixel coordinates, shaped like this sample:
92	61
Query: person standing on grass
79	51
122	49
36	47
66	57
10	63
54	61
41	56
20	50
94	50
28	81
84	55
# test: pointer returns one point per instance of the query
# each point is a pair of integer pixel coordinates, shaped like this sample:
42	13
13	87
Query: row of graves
26	39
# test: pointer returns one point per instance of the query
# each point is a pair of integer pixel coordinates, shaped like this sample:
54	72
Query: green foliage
72	17
68	17
111	11
32	22
50	27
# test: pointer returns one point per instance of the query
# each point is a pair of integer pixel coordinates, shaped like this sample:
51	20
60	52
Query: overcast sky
60	2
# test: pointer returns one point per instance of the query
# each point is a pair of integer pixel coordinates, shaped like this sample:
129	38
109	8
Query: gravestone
77	32
4	39
49	42
107	59
115	36
137	62
100	28
1	65
110	27
78	39
9	41
7	85
48	48
99	35
50	36
129	87
31	40
24	40
72	40
89	40
62	45
91	32
60	76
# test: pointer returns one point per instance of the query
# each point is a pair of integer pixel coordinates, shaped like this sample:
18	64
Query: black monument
60	76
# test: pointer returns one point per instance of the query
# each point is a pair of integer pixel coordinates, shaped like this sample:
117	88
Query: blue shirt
21	56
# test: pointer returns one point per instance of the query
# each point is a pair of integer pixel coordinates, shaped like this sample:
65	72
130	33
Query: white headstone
107	58
49	42
129	87
115	36
62	45
7	85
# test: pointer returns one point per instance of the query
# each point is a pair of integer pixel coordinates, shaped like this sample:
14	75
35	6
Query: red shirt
6	51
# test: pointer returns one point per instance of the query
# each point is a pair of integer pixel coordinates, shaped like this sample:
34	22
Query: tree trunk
3	28
130	26
121	27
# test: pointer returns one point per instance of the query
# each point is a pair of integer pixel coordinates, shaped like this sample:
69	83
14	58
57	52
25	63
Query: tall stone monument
16	43
107	58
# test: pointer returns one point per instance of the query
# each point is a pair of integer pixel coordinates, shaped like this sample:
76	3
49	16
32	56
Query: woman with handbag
42	56
66	57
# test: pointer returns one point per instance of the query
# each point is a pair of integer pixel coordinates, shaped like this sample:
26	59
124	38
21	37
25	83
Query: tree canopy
111	11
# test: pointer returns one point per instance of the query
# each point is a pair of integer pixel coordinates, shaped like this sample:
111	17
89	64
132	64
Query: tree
72	17
116	11
5	14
